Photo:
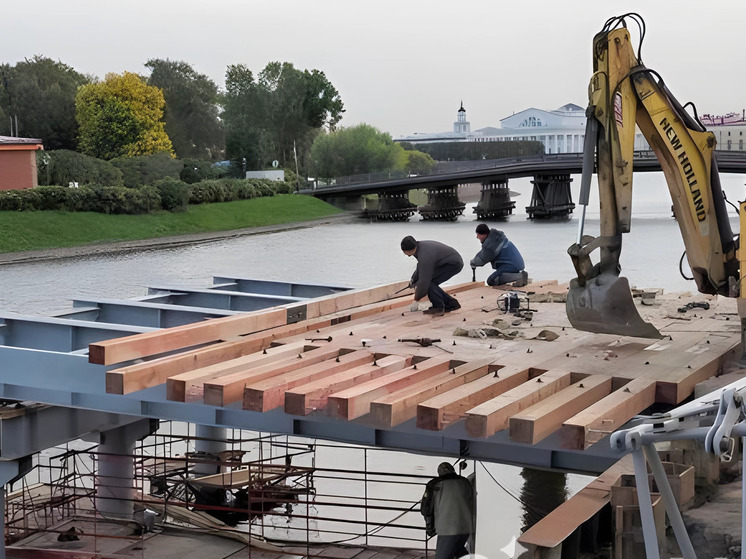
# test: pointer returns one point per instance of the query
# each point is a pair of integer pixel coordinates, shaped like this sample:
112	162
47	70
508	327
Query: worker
436	263
498	250
448	508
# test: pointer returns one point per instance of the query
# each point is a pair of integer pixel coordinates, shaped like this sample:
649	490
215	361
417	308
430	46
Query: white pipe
672	507
646	505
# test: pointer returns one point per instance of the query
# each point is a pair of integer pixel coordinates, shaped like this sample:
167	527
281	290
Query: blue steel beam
58	334
219	299
68	380
140	313
267	287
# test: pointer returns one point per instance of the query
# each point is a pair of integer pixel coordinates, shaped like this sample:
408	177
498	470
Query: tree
278	114
355	150
192	113
121	116
39	94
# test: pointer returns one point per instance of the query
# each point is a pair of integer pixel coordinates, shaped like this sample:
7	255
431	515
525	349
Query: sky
402	66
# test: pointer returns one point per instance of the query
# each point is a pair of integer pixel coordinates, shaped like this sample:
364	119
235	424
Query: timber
528	373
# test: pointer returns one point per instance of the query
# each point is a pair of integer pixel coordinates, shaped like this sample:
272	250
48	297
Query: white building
563	130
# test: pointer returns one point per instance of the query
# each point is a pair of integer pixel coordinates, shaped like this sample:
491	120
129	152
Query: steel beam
221	299
267	287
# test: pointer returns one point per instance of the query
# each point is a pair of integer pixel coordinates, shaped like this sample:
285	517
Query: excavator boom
623	93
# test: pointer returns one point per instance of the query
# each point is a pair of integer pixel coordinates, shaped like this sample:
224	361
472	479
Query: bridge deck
516	388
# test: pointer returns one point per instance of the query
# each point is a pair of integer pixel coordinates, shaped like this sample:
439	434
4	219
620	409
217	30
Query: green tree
355	150
121	116
39	94
419	163
192	109
278	114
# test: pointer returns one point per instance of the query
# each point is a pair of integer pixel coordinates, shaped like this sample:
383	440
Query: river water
364	254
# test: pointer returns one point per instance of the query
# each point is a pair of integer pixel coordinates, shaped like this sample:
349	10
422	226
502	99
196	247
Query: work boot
435	311
453	306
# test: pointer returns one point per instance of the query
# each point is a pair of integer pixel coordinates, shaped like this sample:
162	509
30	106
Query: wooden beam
306	398
158	342
355	401
157	371
179	337
540	420
608	414
400	406
492	416
229	388
267	394
439	412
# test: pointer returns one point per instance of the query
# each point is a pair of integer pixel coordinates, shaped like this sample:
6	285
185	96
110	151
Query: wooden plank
560	523
157	371
608	414
229	388
442	410
400	406
540	420
177	386
306	398
179	337
267	394
108	352
696	364
492	416
355	401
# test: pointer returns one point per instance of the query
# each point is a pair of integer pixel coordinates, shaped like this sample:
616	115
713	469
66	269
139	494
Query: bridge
550	198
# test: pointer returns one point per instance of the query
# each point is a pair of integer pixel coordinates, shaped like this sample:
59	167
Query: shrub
174	194
61	167
196	170
18	200
119	200
145	170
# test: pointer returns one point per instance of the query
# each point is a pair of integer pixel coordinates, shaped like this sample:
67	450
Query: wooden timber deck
343	356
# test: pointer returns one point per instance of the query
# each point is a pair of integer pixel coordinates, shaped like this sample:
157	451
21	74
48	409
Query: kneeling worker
436	263
502	254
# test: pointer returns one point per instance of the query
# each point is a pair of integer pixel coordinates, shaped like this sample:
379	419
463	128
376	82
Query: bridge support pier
494	201
551	197
392	206
442	204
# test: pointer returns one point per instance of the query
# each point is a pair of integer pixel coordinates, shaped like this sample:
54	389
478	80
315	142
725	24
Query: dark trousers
508	267
451	547
439	298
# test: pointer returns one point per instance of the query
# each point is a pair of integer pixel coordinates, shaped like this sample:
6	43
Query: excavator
624	93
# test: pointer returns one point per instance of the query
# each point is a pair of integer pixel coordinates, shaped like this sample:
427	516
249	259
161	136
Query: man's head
445	468
482	231
408	245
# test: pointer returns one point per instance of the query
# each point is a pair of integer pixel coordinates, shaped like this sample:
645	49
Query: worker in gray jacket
436	263
448	508
499	251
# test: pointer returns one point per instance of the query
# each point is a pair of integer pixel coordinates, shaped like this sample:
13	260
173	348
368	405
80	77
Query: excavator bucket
604	305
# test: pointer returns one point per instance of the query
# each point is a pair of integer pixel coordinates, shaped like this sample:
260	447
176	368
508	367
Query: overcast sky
402	66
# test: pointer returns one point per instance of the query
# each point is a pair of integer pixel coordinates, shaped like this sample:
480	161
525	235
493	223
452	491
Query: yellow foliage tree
121	116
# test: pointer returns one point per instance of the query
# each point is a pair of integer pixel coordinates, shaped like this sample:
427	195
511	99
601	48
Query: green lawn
38	230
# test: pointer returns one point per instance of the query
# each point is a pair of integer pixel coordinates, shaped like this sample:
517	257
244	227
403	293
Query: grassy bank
21	231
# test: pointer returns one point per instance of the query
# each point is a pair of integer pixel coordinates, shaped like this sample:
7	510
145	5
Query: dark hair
408	243
483	229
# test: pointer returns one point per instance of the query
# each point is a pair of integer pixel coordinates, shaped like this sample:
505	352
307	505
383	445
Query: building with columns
562	130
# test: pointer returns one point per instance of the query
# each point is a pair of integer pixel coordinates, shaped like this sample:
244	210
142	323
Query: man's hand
415	306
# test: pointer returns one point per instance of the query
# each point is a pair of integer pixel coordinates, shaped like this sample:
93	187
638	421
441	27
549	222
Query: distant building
18	162
563	130
728	130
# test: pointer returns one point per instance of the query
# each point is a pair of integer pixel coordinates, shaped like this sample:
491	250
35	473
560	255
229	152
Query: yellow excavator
624	93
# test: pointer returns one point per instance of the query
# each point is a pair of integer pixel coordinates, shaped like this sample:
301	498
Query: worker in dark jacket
436	263
499	251
448	508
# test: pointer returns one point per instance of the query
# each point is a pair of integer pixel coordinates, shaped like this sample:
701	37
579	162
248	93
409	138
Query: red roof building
18	162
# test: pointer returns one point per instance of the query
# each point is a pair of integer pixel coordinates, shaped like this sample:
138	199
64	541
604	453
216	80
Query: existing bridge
551	196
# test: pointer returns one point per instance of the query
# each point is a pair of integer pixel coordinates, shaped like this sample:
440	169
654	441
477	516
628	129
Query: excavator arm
624	93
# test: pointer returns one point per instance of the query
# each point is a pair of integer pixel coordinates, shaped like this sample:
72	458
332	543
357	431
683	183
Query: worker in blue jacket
499	251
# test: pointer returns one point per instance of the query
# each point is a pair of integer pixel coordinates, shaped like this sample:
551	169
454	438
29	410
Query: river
363	254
